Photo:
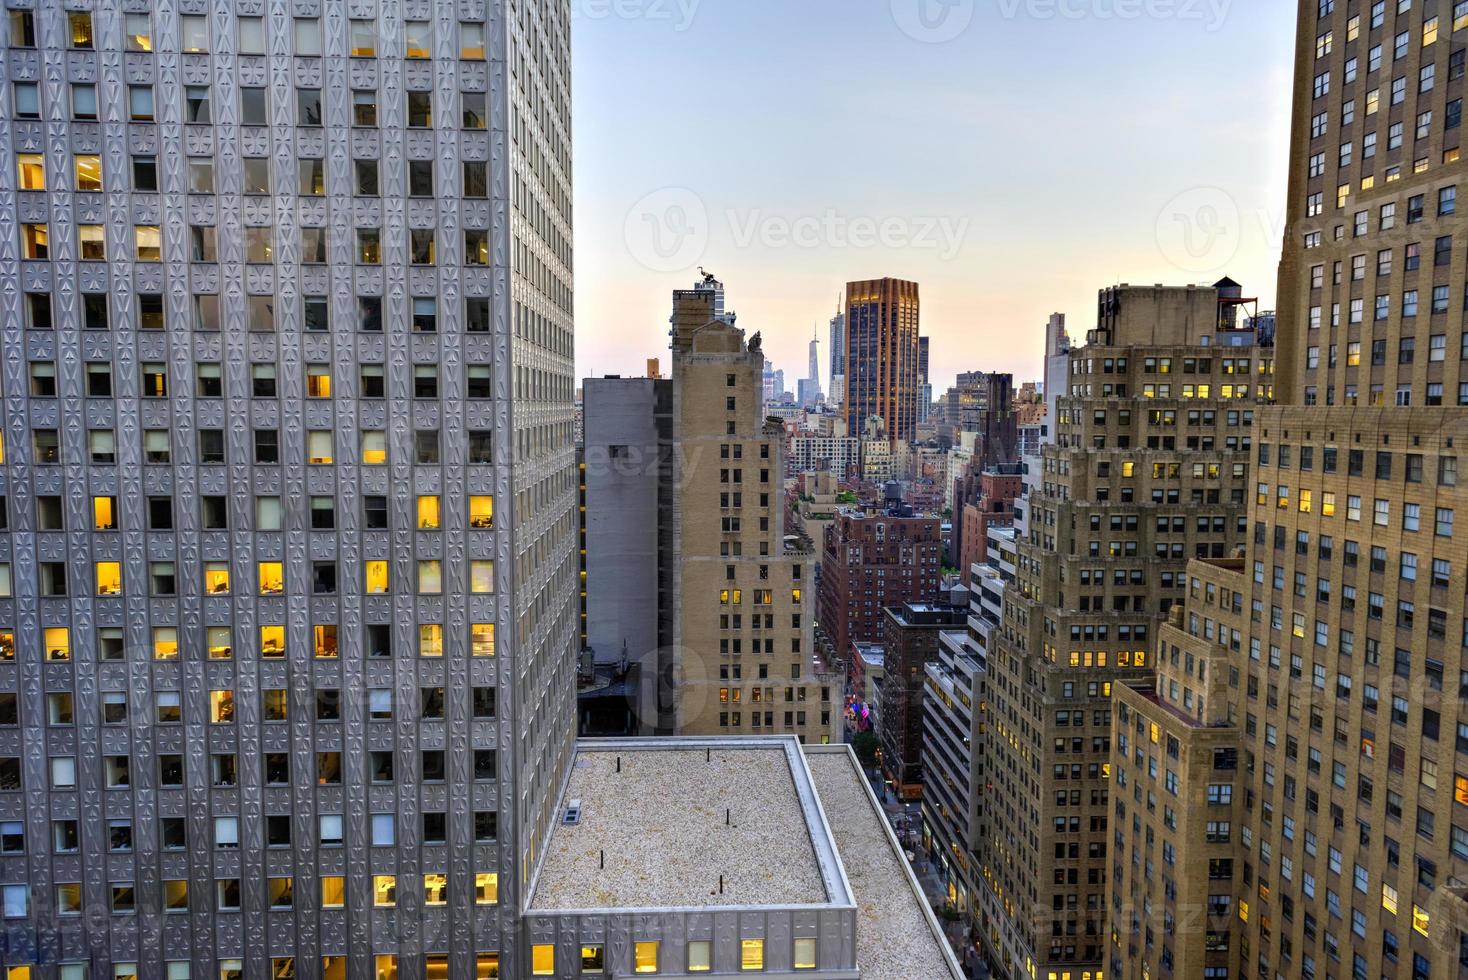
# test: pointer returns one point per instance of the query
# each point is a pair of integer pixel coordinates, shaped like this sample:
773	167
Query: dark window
211	446
378	637
267	446
374	512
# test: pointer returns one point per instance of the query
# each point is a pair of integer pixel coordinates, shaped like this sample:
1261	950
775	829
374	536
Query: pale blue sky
1049	148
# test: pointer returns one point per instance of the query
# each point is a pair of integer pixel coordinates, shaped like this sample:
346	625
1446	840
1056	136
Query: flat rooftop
897	937
789	827
664	820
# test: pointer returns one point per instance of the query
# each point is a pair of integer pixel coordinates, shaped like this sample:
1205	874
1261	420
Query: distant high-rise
882	356
815	360
1057	363
288	600
838	344
923	361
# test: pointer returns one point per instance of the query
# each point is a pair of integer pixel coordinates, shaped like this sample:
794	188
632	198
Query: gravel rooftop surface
893	938
661	824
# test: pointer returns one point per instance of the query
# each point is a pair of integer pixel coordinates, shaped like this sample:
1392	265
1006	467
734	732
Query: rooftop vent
573	814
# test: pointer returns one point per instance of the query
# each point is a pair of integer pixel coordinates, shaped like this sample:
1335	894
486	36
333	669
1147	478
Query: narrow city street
906	822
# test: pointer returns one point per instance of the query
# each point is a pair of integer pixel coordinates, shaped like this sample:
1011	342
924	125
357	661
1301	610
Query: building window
645	956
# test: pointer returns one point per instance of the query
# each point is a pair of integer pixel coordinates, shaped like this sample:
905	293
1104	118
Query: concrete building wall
1160	316
745	601
954	711
910	635
1178	803
296	627
1149	469
629	473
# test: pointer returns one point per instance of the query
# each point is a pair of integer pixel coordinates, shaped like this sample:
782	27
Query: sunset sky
1012	156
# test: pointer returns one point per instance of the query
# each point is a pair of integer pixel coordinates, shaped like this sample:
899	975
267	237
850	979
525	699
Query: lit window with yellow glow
104	513
435	889
1389	898
32	168
216	578
333	891
481	640
88	172
1327	505
165	643
430	640
1307	500
487	966
645	957
374	448
81	29
542	960
318	381
217	640
318	448
471	44
272	578
57	640
419	39
149	242
481	512
805	954
486	888
364	39
109	578
387	966
376	577
221	707
481	577
35	241
795	596
272	642
1419	919
324	637
429	517
384	890
751	954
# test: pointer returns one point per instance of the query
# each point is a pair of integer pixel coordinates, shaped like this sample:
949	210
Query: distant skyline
1047	149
